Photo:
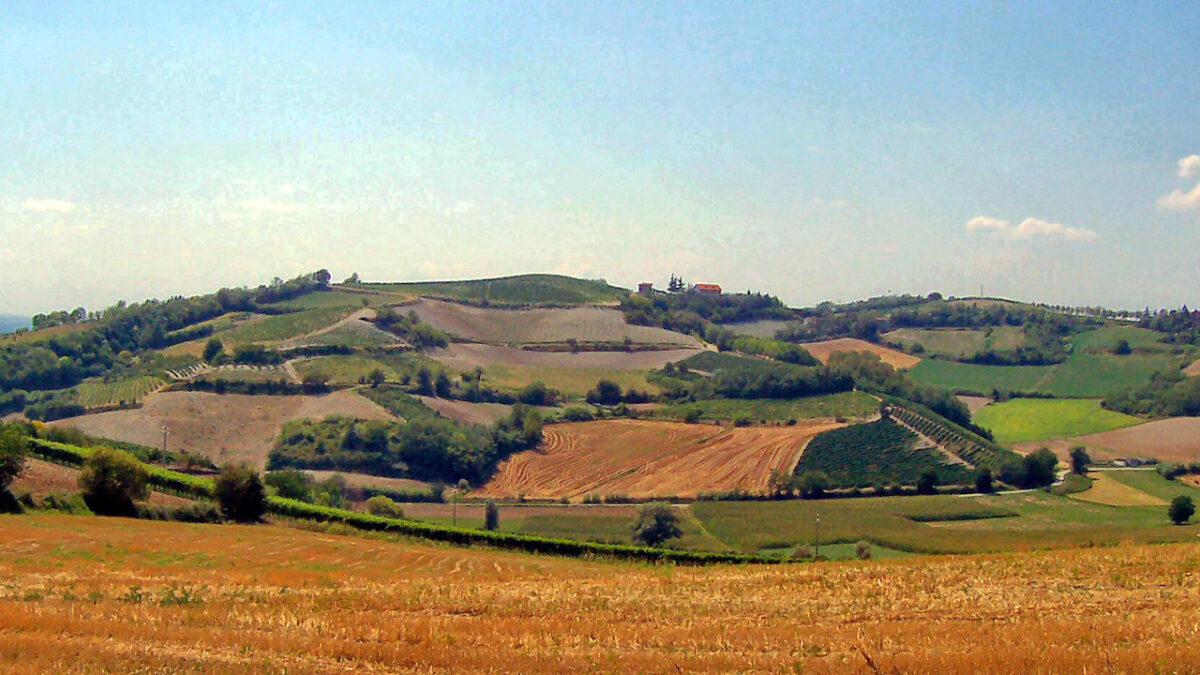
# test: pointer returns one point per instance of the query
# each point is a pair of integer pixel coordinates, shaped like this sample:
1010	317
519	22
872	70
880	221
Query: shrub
491	515
12	455
241	494
656	523
1181	510
927	483
384	507
812	484
692	415
802	552
70	503
577	413
112	480
862	550
1080	459
291	483
983	481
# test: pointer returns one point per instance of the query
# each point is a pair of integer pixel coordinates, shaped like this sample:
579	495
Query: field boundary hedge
194	486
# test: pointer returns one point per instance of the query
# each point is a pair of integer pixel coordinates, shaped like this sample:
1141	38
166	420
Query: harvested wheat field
585	324
115	595
224	428
893	357
467	356
1170	440
647	459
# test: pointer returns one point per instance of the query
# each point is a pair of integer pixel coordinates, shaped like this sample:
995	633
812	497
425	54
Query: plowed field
1171	440
647	459
229	428
893	357
585	324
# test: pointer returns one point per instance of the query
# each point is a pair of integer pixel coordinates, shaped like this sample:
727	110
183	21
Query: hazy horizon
1045	153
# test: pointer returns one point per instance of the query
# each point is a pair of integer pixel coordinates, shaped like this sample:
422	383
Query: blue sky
814	151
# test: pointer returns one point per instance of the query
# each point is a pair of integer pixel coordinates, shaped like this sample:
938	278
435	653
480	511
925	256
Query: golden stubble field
80	594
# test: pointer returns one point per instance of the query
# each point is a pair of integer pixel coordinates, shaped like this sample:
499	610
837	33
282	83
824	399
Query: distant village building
645	288
707	289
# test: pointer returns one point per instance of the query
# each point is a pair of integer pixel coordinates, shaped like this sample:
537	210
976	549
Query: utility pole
165	431
817	554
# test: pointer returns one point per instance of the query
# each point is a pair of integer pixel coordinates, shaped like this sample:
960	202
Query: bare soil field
1170	440
467	356
367	480
646	459
974	403
585	324
224	428
764	328
117	595
40	478
893	357
1193	369
467	412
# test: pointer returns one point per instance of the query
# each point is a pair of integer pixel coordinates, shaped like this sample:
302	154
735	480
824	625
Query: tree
606	392
12	454
812	484
376	377
1080	459
656	522
927	483
213	348
424	382
112	480
241	494
491	515
780	484
383	507
983	481
456	494
1181	510
441	386
321	277
291	484
1122	348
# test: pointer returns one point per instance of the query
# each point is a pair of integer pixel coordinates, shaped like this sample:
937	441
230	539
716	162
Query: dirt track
224	428
645	459
893	357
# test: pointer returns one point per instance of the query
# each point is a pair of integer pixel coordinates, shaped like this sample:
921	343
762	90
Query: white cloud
1030	228
1189	166
48	205
1180	200
267	205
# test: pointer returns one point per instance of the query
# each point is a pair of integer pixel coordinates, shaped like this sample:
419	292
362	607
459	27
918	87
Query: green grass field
98	394
952	344
1104	339
1150	482
1094	375
979	379
1033	419
948	523
345	369
849	404
518	290
570	381
1081	375
281	327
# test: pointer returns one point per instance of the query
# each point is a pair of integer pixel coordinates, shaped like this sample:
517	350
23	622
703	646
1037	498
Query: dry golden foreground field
893	357
647	459
112	595
224	428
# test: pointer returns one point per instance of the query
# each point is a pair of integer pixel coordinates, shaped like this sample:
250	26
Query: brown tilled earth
893	357
467	412
466	356
225	428
586	324
974	403
40	478
1171	440
647	459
